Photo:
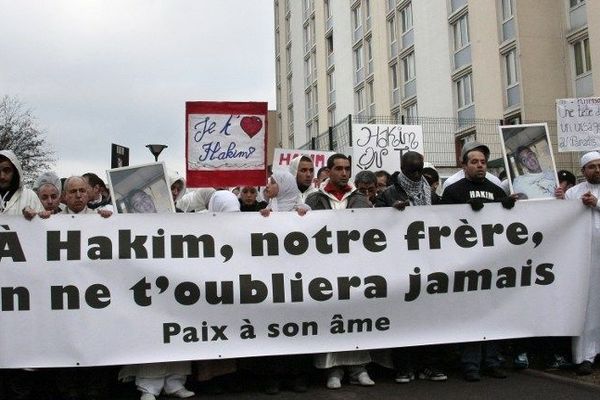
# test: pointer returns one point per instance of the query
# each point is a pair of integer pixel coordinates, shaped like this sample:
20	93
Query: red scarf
337	192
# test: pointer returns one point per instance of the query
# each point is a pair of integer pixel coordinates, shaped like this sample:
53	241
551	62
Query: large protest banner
376	146
226	143
83	290
578	122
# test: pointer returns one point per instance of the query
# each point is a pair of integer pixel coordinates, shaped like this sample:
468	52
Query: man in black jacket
408	187
475	189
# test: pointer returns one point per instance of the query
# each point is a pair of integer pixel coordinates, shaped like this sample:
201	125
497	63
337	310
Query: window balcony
508	29
331	98
578	16
410	88
466	116
584	86
457	4
462	57
408	38
359	76
513	96
394	49
395	97
358	34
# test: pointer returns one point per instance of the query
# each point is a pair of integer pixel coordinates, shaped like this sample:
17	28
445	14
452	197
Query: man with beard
14	197
587	346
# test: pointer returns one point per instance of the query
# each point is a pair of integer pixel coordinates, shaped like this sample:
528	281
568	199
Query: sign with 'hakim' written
380	147
226	143
142	288
578	124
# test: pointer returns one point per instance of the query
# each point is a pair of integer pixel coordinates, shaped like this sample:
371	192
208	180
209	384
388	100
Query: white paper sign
226	142
578	124
380	147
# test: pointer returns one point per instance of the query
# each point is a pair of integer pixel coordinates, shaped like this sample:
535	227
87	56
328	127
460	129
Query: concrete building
461	60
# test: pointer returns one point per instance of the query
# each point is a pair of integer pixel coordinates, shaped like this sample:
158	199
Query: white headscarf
223	201
288	197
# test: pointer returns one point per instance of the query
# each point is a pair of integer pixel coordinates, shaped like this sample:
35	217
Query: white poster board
578	124
380	147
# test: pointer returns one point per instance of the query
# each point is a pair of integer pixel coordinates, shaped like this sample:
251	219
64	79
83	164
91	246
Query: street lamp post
156	149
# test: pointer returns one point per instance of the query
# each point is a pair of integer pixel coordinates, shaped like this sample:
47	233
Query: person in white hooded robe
587	346
15	198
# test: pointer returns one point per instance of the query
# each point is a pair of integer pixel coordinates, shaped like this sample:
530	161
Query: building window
359	99
329	40
369	51
327	9
331	117
507	9
371	98
461	32
358	58
409	67
575	3
583	61
407	19
356	18
394	76
411	114
392	30
464	91
393	37
512	73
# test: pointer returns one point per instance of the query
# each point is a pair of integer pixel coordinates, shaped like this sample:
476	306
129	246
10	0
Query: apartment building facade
460	60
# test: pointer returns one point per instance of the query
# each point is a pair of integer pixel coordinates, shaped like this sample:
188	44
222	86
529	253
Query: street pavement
518	386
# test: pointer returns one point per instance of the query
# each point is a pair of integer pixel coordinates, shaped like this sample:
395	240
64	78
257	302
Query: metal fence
442	138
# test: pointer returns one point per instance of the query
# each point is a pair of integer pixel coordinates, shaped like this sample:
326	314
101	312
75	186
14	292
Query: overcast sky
120	71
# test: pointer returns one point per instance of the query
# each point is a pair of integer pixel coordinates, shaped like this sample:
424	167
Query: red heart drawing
251	125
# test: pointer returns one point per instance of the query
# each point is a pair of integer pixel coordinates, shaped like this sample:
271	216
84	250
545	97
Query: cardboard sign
225	143
578	124
380	147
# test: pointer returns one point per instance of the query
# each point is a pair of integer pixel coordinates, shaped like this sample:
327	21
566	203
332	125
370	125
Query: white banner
578	124
83	290
377	147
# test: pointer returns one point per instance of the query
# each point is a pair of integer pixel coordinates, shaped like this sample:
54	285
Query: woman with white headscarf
215	375
283	194
223	201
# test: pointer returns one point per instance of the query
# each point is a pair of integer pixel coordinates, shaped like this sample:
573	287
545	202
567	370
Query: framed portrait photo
531	170
141	189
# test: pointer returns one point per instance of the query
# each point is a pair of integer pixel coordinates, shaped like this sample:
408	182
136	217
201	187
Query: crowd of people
299	189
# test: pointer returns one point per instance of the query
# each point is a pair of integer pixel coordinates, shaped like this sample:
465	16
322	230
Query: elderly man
14	197
475	189
48	188
76	198
534	183
587	346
